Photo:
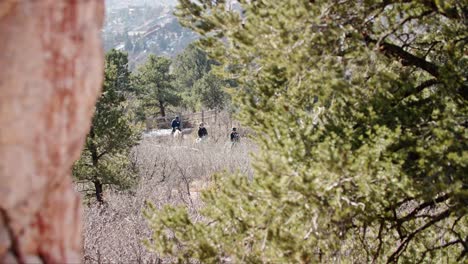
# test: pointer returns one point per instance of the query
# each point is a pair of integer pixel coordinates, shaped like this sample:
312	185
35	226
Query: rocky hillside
142	27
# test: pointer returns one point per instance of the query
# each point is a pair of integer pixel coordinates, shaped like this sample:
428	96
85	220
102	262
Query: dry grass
170	173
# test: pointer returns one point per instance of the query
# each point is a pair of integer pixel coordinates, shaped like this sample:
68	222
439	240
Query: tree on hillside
209	91
196	84
105	158
190	66
375	171
154	83
117	62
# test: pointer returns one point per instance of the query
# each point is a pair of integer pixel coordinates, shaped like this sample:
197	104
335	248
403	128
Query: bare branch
394	257
404	21
102	154
379	247
425	205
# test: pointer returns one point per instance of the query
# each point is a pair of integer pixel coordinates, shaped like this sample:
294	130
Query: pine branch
407	59
451	243
102	154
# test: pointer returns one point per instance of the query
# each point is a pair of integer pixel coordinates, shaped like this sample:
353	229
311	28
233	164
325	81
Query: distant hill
142	27
117	4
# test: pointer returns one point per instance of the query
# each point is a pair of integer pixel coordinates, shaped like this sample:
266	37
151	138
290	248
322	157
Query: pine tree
209	90
189	67
119	79
374	171
154	84
105	158
199	88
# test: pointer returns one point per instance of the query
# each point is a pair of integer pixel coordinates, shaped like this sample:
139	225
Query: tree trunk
98	189
92	147
51	64
162	108
95	160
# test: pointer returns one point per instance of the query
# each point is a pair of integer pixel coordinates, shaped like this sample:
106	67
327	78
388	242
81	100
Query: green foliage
209	91
105	158
117	73
375	171
155	88
197	86
190	66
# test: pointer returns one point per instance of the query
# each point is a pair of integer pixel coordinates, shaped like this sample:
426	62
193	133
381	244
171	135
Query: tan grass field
170	172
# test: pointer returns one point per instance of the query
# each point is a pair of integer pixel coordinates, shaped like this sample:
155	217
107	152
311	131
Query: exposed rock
51	66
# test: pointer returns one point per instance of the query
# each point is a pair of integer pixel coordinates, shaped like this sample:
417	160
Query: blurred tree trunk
51	65
162	108
98	188
95	158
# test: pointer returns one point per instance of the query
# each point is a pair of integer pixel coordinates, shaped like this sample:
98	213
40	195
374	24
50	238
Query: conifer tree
190	66
374	171
105	158
209	90
155	85
190	69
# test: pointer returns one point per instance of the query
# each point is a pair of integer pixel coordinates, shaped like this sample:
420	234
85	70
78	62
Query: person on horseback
235	138
202	132
175	124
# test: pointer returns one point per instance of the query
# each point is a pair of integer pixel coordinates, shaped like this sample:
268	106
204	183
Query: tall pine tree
155	85
105	158
198	86
209	90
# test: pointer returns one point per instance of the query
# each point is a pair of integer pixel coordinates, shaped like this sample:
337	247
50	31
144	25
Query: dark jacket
175	124
202	132
235	136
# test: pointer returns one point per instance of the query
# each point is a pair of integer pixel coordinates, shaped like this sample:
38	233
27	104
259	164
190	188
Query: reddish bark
51	66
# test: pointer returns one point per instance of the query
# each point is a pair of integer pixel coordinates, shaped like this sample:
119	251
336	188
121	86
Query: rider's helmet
234	129
201	124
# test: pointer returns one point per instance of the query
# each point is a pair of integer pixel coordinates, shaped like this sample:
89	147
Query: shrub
374	171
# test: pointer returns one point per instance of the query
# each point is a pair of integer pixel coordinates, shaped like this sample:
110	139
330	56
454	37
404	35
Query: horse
178	135
201	140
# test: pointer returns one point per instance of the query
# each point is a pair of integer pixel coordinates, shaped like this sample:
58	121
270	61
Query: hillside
144	27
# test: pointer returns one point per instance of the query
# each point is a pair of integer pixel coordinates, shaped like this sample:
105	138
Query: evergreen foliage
118	76
105	158
210	93
375	171
190	66
197	86
155	85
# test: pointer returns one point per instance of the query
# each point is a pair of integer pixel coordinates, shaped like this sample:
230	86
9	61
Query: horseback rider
234	135
175	124
202	132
